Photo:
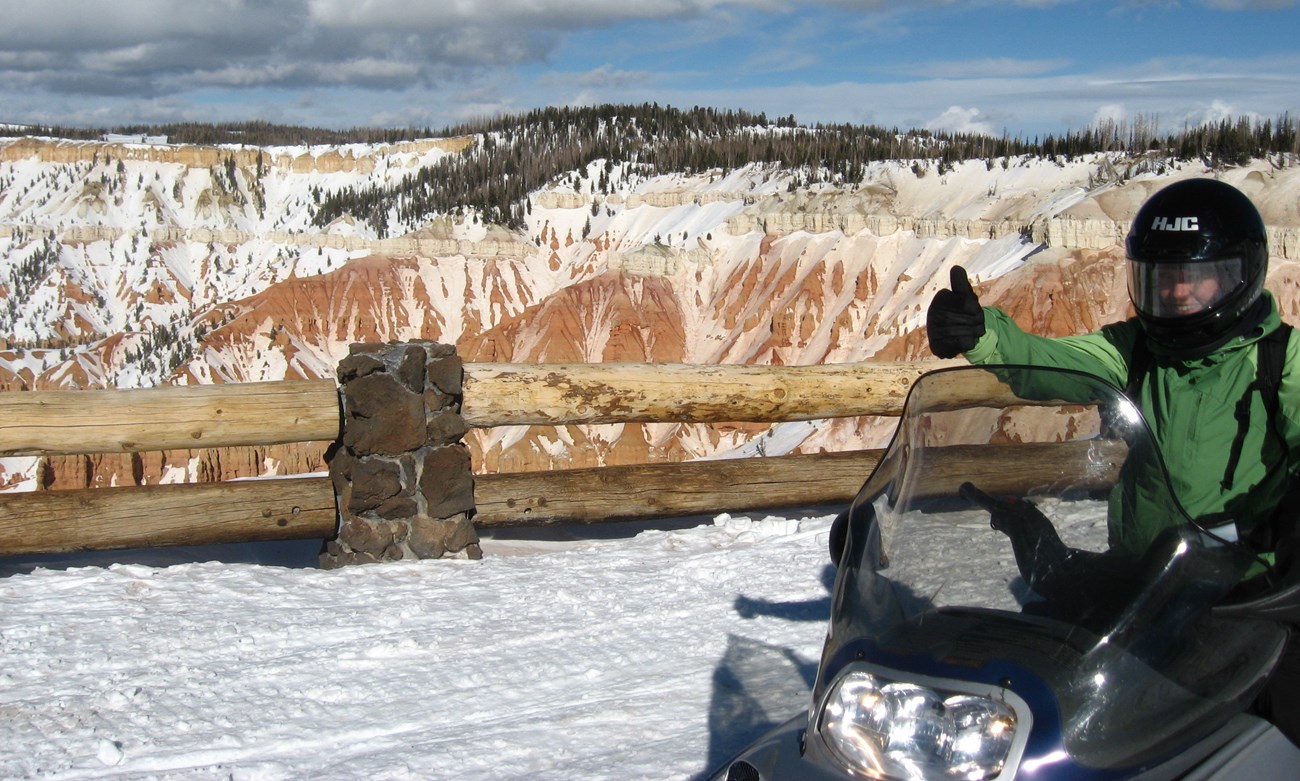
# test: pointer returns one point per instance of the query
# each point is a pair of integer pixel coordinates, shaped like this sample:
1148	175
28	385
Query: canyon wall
723	267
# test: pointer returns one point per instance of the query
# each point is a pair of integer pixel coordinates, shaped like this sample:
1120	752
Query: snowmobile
985	625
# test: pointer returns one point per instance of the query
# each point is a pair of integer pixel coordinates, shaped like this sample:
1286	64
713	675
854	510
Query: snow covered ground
654	656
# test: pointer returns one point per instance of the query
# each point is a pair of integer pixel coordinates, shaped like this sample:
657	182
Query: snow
158	240
653	656
18	473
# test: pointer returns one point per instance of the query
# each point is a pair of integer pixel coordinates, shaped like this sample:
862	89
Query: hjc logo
1175	224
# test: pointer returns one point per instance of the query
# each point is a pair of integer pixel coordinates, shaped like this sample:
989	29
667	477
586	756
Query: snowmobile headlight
902	731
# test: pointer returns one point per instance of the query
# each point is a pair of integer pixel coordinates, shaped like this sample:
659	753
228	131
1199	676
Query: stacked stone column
401	472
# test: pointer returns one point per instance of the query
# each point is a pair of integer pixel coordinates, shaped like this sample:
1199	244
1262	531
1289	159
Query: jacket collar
1271	320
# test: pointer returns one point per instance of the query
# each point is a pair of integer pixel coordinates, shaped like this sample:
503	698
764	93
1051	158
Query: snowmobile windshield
981	550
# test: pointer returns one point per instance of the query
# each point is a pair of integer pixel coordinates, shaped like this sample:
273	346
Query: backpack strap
1270	359
1139	363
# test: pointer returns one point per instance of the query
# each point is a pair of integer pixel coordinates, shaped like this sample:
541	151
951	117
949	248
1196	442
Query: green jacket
1190	406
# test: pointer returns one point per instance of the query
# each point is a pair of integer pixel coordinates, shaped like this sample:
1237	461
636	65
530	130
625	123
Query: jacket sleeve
1103	353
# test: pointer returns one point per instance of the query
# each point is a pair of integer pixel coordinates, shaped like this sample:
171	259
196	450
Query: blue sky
1025	67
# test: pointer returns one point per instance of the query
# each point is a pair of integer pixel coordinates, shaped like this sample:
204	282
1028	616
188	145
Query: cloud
154	45
960	120
343	63
1250	5
603	77
1111	113
989	67
85	24
386	14
1171	92
1216	111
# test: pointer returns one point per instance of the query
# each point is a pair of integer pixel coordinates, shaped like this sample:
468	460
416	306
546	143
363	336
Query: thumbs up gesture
955	321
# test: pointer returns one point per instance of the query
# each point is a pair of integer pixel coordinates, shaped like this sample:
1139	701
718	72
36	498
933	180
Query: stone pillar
401	473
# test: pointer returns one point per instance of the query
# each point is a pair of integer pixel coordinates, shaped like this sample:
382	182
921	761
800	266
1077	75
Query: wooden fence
119	421
78	422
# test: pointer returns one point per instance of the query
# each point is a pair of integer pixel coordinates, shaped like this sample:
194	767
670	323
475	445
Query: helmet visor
1169	290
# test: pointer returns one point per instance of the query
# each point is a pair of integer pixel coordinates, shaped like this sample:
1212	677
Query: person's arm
956	324
1102	353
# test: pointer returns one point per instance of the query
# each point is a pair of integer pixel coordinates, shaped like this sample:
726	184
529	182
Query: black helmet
1198	254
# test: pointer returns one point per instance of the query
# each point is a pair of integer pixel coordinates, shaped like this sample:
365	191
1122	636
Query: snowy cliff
126	265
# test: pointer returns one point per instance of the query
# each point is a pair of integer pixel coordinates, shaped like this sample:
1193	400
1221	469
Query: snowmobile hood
1113	662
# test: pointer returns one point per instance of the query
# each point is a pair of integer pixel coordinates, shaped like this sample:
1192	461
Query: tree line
254	133
520	154
517	154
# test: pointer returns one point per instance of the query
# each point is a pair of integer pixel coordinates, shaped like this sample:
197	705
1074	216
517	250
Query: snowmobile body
983	626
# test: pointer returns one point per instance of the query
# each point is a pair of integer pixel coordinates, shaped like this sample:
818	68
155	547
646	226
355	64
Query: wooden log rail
183	417
163	515
698	487
500	394
667	490
495	394
167	418
162	418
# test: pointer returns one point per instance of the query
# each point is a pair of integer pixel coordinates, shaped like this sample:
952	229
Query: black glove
1011	515
1040	555
1083	586
955	321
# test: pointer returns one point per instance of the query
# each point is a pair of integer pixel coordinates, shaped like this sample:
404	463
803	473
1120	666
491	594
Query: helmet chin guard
1198	255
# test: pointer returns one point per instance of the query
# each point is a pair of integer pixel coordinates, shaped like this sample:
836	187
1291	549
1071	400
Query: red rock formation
772	277
104	470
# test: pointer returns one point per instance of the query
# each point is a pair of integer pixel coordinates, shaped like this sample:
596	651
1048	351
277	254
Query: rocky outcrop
741	268
319	160
107	470
403	246
873	210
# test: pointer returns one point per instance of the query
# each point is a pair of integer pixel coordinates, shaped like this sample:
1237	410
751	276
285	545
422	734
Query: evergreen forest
517	154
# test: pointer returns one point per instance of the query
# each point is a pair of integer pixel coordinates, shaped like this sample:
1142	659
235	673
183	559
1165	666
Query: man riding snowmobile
1210	364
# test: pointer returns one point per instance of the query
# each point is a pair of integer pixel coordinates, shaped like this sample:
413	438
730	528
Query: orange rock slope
677	277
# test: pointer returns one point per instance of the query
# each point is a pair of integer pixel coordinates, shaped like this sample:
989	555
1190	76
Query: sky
1023	67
